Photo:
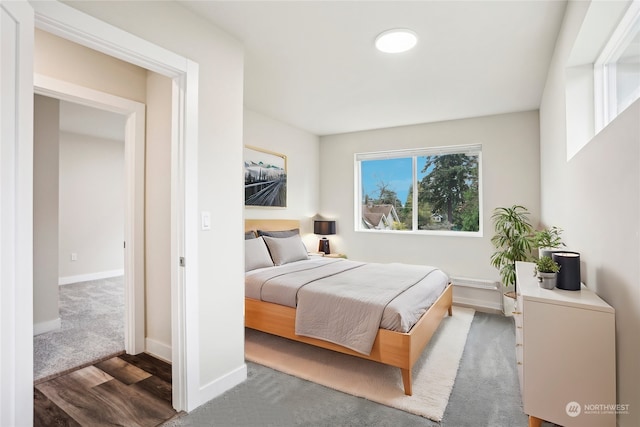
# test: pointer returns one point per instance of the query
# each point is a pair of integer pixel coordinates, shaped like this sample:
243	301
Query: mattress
399	315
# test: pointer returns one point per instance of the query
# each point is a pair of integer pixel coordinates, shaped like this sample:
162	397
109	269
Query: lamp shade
324	227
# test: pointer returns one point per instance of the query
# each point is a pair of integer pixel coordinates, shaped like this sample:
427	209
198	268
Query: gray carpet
92	328
486	393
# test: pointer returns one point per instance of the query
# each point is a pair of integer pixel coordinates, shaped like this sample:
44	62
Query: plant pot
547	280
508	303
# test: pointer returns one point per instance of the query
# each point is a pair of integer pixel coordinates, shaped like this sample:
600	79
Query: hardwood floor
121	391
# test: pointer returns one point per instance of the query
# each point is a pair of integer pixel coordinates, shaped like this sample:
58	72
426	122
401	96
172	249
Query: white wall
158	216
91	220
595	197
303	181
45	214
510	175
220	263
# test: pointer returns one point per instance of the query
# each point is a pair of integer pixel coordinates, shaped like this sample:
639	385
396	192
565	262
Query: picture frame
265	178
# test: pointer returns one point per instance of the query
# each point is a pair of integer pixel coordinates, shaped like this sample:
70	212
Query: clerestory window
617	69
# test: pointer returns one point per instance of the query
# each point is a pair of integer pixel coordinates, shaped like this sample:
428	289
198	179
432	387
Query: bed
390	347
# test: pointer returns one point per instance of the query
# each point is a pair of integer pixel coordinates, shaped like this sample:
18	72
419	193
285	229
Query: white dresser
565	351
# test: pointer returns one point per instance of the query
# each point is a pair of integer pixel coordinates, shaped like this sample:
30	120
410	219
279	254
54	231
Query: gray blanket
340	302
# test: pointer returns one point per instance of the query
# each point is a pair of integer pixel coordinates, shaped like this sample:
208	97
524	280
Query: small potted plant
546	271
548	240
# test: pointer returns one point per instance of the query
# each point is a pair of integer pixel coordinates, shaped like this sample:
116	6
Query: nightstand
336	256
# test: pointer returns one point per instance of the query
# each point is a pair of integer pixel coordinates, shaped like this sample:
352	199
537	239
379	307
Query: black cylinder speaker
569	274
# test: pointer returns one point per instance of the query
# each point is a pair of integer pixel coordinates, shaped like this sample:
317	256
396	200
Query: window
447	196
617	69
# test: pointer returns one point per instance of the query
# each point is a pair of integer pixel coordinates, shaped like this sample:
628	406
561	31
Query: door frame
134	161
16	213
78	27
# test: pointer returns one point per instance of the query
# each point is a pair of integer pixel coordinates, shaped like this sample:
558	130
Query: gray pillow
249	235
279	234
256	254
286	249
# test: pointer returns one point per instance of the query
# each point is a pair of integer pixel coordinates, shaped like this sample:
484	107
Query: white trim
16	214
604	68
85	30
475	283
48	326
184	299
223	384
413	153
469	149
158	349
134	160
67	280
71	24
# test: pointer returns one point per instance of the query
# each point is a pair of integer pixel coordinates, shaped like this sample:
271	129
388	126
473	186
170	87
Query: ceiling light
396	40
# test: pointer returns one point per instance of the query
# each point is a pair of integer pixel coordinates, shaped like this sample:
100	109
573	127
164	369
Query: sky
397	173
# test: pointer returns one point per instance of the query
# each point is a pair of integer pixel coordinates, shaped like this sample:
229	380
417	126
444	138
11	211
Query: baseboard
158	349
477	307
226	382
91	276
48	326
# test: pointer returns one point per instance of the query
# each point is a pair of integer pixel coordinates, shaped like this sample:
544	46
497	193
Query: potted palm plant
546	270
548	240
513	241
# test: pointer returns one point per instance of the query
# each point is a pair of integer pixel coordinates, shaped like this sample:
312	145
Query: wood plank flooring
122	391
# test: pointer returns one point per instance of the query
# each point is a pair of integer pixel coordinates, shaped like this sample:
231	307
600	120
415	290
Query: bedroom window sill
425	233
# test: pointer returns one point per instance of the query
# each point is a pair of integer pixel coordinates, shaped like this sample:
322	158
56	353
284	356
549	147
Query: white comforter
346	302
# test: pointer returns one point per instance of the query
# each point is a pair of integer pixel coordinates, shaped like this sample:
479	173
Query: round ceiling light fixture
396	40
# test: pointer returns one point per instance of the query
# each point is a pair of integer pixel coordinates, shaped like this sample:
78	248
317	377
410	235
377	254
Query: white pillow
256	254
286	249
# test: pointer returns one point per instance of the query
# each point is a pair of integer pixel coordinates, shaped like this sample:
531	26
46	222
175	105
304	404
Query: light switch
206	220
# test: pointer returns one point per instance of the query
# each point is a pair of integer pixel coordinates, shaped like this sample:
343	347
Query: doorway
182	74
17	193
78	234
134	142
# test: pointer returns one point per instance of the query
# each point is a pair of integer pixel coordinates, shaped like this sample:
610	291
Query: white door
16	213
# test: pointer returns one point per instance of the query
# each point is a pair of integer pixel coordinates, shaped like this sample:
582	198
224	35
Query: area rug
433	374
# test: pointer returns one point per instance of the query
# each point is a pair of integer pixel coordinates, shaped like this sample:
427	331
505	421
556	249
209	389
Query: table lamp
324	228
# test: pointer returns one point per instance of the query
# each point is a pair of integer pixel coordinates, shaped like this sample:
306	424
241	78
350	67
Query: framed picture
265	178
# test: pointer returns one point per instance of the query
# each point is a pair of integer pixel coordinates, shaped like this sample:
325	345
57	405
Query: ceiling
312	64
84	120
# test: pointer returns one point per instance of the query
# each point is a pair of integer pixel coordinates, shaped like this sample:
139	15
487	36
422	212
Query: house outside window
448	187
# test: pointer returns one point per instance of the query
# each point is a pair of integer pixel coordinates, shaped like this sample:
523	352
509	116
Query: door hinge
182	261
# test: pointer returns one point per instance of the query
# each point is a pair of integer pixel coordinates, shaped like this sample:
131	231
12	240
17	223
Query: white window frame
475	149
604	68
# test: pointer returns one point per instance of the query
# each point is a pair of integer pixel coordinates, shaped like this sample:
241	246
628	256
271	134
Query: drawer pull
516	312
519	363
519	327
518	345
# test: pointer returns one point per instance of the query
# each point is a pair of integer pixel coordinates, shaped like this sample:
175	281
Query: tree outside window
448	190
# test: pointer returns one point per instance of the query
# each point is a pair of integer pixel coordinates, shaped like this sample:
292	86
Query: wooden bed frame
392	348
